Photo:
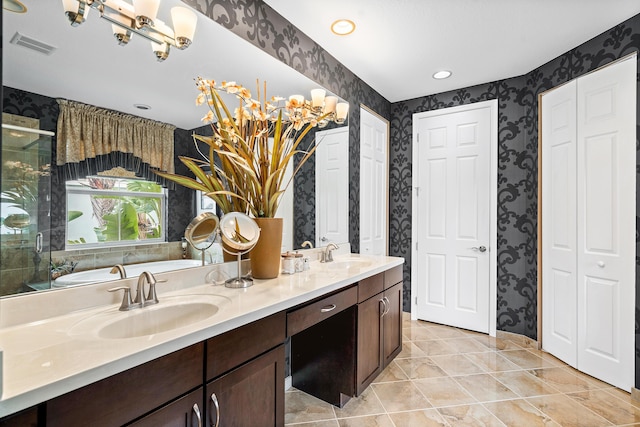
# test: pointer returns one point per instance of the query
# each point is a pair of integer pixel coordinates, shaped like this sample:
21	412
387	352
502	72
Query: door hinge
416	246
416	300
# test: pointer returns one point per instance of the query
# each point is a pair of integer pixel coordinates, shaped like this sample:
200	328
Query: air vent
33	44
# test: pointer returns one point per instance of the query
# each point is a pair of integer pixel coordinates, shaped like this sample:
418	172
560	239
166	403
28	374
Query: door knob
323	239
479	249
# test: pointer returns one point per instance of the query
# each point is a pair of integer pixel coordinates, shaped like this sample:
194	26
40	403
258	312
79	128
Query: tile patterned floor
452	377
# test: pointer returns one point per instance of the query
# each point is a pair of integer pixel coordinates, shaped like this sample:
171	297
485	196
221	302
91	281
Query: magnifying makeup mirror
240	233
201	232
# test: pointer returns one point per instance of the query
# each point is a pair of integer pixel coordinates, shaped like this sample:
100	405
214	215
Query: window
114	211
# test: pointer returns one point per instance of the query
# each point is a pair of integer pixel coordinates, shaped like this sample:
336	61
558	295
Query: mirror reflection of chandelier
139	18
323	108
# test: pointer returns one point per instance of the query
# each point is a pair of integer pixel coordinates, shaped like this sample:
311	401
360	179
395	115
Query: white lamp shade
330	104
317	97
184	22
298	98
73	6
342	109
148	8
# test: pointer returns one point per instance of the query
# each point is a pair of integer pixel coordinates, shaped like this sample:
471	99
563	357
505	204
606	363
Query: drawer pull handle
214	400
328	308
196	412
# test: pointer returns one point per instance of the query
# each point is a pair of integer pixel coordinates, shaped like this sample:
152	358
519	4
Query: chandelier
139	18
322	108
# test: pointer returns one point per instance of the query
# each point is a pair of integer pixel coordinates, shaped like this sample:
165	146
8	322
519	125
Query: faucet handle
126	304
152	296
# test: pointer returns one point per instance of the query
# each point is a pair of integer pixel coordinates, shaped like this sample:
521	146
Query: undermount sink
351	263
169	314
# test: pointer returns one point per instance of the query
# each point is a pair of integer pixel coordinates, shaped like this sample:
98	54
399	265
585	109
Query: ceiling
89	66
399	44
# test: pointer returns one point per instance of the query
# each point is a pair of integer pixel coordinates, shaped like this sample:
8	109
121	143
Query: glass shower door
25	210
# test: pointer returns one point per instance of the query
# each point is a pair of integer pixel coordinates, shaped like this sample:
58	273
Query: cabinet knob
214	400
601	264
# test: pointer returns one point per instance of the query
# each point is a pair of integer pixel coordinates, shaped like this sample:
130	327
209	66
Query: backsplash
89	259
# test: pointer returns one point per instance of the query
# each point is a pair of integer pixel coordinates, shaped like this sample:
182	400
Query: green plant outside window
114	211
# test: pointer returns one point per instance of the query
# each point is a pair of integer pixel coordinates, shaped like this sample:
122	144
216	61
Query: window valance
88	133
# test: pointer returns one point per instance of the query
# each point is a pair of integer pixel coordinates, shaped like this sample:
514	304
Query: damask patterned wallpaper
517	157
517	170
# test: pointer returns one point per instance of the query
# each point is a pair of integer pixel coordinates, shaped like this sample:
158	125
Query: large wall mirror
44	58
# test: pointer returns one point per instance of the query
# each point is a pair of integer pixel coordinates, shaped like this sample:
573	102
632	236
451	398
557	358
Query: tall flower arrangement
253	145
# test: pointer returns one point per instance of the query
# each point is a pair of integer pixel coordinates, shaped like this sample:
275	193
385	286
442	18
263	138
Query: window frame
80	189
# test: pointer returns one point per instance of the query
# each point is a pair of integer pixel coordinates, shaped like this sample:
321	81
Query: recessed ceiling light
142	106
342	27
13	6
443	74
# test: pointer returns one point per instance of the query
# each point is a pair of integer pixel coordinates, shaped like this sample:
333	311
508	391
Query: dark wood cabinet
392	324
188	411
121	398
250	395
379	326
245	374
26	418
370	339
340	342
170	390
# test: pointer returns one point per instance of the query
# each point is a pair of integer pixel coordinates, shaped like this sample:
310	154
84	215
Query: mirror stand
239	281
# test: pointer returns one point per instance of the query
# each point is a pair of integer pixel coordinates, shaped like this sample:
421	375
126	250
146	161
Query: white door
374	137
453	176
559	253
605	212
332	186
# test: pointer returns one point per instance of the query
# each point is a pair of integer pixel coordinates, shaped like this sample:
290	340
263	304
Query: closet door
588	222
606	222
559	275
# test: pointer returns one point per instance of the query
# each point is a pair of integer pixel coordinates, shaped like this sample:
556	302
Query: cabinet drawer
235	347
370	286
123	397
392	276
302	318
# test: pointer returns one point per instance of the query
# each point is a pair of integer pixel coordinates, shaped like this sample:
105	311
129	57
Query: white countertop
46	352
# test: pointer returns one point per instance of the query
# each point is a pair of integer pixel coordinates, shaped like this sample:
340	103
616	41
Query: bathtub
133	270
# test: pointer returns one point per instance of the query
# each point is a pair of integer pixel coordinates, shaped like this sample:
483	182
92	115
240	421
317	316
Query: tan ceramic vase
265	256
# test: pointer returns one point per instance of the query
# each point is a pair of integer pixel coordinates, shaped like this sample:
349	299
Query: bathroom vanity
344	321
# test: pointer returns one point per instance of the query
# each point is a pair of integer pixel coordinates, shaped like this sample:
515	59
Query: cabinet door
392	324
26	418
128	395
184	412
250	395
369	357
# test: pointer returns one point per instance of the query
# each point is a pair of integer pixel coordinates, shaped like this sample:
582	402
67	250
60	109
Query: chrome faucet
326	254
119	268
141	299
307	244
151	297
